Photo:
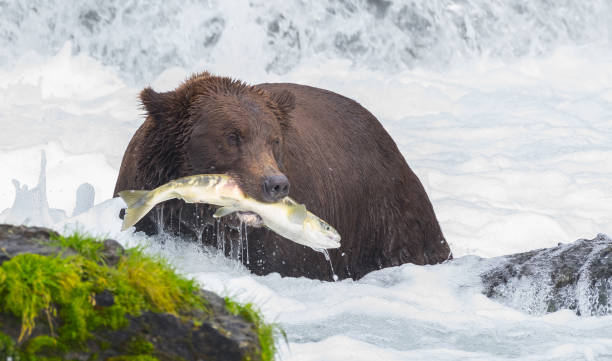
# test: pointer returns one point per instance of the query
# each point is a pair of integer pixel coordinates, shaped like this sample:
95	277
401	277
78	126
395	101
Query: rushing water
141	38
502	108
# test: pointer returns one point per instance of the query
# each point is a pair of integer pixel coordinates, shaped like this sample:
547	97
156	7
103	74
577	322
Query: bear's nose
275	187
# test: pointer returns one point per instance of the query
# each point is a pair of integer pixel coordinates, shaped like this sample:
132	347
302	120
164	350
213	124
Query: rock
208	332
111	251
104	299
575	276
16	240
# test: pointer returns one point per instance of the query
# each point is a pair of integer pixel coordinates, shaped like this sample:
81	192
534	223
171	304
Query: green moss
265	332
7	347
104	345
139	346
56	296
40	343
163	289
85	245
34	284
10	351
39	288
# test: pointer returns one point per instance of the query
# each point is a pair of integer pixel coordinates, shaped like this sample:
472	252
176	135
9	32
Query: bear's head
213	124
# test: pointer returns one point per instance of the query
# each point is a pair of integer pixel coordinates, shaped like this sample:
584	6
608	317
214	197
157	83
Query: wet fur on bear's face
238	135
222	125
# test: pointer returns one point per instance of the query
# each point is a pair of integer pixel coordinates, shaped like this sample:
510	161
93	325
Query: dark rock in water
209	332
575	276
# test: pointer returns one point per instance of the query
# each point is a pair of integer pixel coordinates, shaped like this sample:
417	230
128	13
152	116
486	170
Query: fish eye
327	228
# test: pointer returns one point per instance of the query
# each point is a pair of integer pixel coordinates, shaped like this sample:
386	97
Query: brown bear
320	148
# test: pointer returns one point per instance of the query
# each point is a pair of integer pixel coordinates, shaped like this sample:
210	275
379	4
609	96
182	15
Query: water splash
85	199
141	38
30	205
575	276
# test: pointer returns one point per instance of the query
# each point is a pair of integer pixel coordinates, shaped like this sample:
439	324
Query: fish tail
132	197
137	208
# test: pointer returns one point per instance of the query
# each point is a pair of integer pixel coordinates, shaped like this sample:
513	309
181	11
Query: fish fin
137	207
133	215
298	214
132	197
224	211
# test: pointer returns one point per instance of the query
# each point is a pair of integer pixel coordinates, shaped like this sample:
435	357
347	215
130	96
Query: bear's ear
158	105
285	100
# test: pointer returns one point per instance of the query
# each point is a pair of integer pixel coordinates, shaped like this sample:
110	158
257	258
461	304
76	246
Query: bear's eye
276	141
233	139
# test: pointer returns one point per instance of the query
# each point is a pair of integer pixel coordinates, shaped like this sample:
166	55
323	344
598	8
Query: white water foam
142	38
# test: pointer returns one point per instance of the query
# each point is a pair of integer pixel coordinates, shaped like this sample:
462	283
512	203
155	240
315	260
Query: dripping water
217	227
170	225
159	218
218	233
199	226
328	259
246	241
240	237
220	237
231	240
179	219
237	238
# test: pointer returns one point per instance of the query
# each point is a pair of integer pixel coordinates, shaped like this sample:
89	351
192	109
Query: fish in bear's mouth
287	218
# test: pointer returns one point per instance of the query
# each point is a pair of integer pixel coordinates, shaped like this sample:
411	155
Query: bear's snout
275	187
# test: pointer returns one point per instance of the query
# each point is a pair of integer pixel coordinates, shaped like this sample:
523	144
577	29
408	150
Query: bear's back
347	169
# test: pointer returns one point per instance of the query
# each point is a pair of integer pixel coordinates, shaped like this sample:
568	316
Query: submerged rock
575	276
110	320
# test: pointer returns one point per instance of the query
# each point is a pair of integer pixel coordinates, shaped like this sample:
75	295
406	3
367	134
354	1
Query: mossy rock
77	298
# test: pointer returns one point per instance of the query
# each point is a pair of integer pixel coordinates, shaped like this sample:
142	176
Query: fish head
319	234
